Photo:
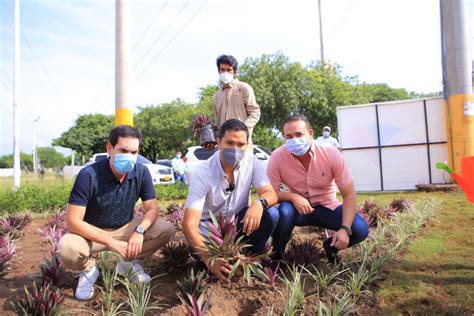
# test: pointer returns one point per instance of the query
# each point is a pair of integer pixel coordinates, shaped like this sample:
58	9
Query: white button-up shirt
209	183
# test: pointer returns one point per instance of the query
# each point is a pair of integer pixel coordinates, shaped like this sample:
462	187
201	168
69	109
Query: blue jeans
258	239
320	217
181	178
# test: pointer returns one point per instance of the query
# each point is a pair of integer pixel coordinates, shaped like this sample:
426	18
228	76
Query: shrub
35	198
171	192
41	300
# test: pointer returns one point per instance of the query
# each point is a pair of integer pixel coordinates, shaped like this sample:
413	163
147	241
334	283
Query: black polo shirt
109	203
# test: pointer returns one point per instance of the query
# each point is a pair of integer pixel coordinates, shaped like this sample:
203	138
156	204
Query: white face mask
226	77
326	134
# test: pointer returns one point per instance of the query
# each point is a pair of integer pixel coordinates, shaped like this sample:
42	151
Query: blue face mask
124	163
232	156
297	146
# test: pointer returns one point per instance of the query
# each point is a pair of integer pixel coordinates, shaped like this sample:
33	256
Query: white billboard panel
402	123
436	112
404	167
439	153
357	126
365	168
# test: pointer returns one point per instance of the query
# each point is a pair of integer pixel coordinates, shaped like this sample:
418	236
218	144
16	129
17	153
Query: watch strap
347	229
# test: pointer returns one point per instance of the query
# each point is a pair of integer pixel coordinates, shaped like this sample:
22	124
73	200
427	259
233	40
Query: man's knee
73	252
287	213
360	229
161	229
271	216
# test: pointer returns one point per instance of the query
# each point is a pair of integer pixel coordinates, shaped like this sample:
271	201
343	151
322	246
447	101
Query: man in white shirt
179	168
326	138
222	185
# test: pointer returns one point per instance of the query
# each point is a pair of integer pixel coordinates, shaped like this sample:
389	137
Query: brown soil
237	298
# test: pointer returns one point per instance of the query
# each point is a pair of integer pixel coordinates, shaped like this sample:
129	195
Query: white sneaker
85	286
133	270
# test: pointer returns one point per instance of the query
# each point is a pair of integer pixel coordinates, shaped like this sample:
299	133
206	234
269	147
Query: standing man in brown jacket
234	99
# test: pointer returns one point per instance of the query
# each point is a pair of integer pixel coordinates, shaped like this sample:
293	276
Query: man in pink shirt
304	173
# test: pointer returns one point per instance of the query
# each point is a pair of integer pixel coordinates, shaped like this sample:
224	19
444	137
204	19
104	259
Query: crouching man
222	185
305	174
100	214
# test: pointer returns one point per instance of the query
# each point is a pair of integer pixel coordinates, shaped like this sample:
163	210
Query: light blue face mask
297	146
124	163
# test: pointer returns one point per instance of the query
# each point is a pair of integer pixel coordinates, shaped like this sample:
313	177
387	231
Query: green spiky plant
294	293
222	241
108	262
193	293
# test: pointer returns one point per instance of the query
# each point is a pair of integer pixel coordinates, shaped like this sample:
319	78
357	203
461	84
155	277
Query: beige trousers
74	251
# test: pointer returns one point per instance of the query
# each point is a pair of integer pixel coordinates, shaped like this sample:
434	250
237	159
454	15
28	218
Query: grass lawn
436	274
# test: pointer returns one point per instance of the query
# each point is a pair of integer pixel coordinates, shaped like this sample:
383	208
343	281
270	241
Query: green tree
88	136
165	128
50	158
26	161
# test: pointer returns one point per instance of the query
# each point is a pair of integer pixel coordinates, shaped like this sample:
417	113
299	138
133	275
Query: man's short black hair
228	60
298	117
124	131
233	125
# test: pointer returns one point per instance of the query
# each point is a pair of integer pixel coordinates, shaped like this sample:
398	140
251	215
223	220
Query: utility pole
457	79
35	164
72	157
321	45
123	112
16	96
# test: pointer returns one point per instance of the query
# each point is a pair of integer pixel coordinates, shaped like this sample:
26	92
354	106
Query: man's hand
118	246
209	146
220	268
134	245
302	205
340	239
252	218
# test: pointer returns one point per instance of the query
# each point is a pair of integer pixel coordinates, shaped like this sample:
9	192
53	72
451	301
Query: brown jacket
236	102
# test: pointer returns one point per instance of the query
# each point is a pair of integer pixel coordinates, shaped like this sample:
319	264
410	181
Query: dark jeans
320	217
258	239
181	178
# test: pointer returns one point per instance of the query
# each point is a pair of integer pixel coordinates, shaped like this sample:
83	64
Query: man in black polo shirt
100	214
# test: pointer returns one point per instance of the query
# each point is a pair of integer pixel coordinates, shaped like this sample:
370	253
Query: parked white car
159	173
196	155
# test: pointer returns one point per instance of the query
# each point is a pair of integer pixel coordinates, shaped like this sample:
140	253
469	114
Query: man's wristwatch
347	229
264	203
140	230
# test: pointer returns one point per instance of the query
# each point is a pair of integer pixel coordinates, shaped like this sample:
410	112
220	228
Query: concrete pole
72	157
321	45
123	112
457	72
35	165
16	96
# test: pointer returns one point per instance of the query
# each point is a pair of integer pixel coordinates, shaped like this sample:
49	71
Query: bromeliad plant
193	293
19	221
176	256
199	121
302	252
8	230
7	249
52	233
222	241
41	300
398	206
51	272
176	215
372	213
57	220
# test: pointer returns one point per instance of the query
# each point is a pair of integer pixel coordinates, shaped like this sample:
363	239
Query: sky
68	50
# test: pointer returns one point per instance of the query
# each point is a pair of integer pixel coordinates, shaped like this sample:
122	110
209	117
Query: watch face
140	230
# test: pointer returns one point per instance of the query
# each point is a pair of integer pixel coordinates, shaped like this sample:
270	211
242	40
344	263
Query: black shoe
331	252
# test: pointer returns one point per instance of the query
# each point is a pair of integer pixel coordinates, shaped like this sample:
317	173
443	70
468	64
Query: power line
162	33
150	24
172	39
